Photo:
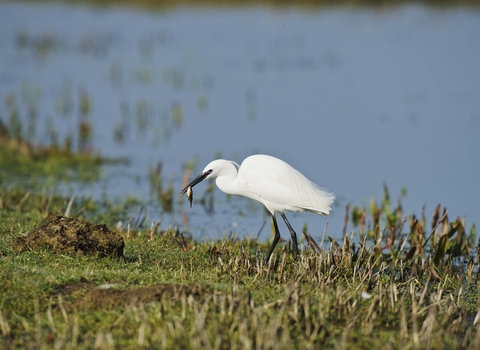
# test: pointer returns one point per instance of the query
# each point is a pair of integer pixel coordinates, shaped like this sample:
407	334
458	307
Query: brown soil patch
73	236
75	288
111	298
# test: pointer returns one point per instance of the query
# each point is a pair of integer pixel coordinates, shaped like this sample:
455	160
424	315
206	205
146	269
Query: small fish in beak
190	195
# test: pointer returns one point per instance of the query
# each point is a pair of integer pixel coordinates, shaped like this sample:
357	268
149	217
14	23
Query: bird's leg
276	238
292	233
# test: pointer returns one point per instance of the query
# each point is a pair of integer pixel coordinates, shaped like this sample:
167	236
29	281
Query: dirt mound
111	298
73	236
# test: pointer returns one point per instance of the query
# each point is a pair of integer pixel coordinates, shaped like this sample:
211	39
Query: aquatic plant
157	188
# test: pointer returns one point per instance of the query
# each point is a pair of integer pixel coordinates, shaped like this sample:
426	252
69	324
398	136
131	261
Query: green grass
341	297
47	166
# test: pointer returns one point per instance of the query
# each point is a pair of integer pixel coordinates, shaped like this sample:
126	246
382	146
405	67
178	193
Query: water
352	98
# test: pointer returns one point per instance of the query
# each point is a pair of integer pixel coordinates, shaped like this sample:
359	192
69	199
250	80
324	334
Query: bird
272	182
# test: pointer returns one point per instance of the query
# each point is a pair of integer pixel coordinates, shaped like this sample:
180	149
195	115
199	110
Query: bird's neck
228	184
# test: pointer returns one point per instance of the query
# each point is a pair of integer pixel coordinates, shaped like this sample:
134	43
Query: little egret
272	182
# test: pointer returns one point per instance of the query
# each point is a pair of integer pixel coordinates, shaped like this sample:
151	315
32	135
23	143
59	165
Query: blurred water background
354	98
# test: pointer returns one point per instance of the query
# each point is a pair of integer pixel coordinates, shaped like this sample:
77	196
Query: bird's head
214	169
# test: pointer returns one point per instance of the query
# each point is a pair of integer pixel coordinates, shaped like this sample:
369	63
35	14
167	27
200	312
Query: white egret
272	182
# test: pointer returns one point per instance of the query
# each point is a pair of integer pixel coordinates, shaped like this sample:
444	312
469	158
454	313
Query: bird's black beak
198	179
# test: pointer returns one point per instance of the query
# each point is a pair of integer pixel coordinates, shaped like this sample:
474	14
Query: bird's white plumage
272	182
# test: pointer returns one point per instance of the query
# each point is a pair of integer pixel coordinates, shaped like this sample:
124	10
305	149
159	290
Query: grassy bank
169	291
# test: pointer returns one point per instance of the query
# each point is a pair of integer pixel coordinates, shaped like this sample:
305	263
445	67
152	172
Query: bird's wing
284	188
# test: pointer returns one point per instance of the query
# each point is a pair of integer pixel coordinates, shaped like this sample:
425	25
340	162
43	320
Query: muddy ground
110	298
72	236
